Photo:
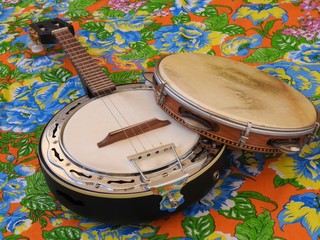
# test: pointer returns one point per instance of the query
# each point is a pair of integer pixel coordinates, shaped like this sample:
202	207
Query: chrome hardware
173	203
286	146
136	157
314	135
197	122
160	94
173	180
245	135
216	175
148	76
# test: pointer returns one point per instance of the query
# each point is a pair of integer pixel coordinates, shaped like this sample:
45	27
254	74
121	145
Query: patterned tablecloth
263	196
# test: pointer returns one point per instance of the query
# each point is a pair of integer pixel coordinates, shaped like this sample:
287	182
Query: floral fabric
261	196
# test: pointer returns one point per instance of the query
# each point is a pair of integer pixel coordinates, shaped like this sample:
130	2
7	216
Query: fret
88	69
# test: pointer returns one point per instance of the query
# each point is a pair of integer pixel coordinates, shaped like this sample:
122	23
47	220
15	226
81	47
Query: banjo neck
89	71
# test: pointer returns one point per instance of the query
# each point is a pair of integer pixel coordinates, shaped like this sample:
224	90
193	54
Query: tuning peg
35	44
35	47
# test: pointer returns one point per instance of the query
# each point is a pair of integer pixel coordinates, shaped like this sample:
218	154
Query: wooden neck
89	71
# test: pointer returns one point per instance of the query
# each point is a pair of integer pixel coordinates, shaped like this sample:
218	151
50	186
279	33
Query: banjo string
107	93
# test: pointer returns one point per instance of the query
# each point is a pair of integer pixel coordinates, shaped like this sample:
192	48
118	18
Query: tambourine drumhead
92	122
236	92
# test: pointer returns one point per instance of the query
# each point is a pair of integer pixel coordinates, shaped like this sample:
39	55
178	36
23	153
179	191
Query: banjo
113	155
235	104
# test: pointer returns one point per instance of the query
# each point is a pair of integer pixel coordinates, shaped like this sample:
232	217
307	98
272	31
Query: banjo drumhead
236	92
93	121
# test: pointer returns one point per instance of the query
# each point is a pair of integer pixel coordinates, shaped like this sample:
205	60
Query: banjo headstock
41	32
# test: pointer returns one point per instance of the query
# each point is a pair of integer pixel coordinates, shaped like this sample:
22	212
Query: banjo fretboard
90	72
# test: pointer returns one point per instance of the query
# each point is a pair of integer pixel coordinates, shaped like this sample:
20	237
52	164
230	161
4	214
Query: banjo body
103	184
234	103
113	155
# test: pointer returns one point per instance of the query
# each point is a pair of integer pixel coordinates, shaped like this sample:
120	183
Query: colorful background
260	197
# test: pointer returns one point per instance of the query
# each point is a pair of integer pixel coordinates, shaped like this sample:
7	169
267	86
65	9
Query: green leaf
217	22
77	13
4	70
182	18
4	46
39	202
256	195
80	4
5	150
65	233
6	167
20	143
28	159
279	182
232	30
93	26
26	3
144	53
295	183
59	75
152	7
285	42
38	131
36	185
107	12
260	31
243	209
125	77
264	55
209	11
159	237
15	237
147	34
104	34
269	25
25	150
43	222
198	227
260	227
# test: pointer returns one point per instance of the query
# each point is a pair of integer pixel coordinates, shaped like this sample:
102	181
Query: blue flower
196	210
19	222
10	157
118	41
23	39
4	208
219	197
13	190
4	35
120	32
106	231
36	103
186	6
6	13
189	37
58	8
38	64
247	162
307	53
304	77
25	170
44	3
259	13
303	166
240	46
304	208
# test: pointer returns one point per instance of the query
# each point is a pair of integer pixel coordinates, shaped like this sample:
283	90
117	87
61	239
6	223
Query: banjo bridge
132	131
